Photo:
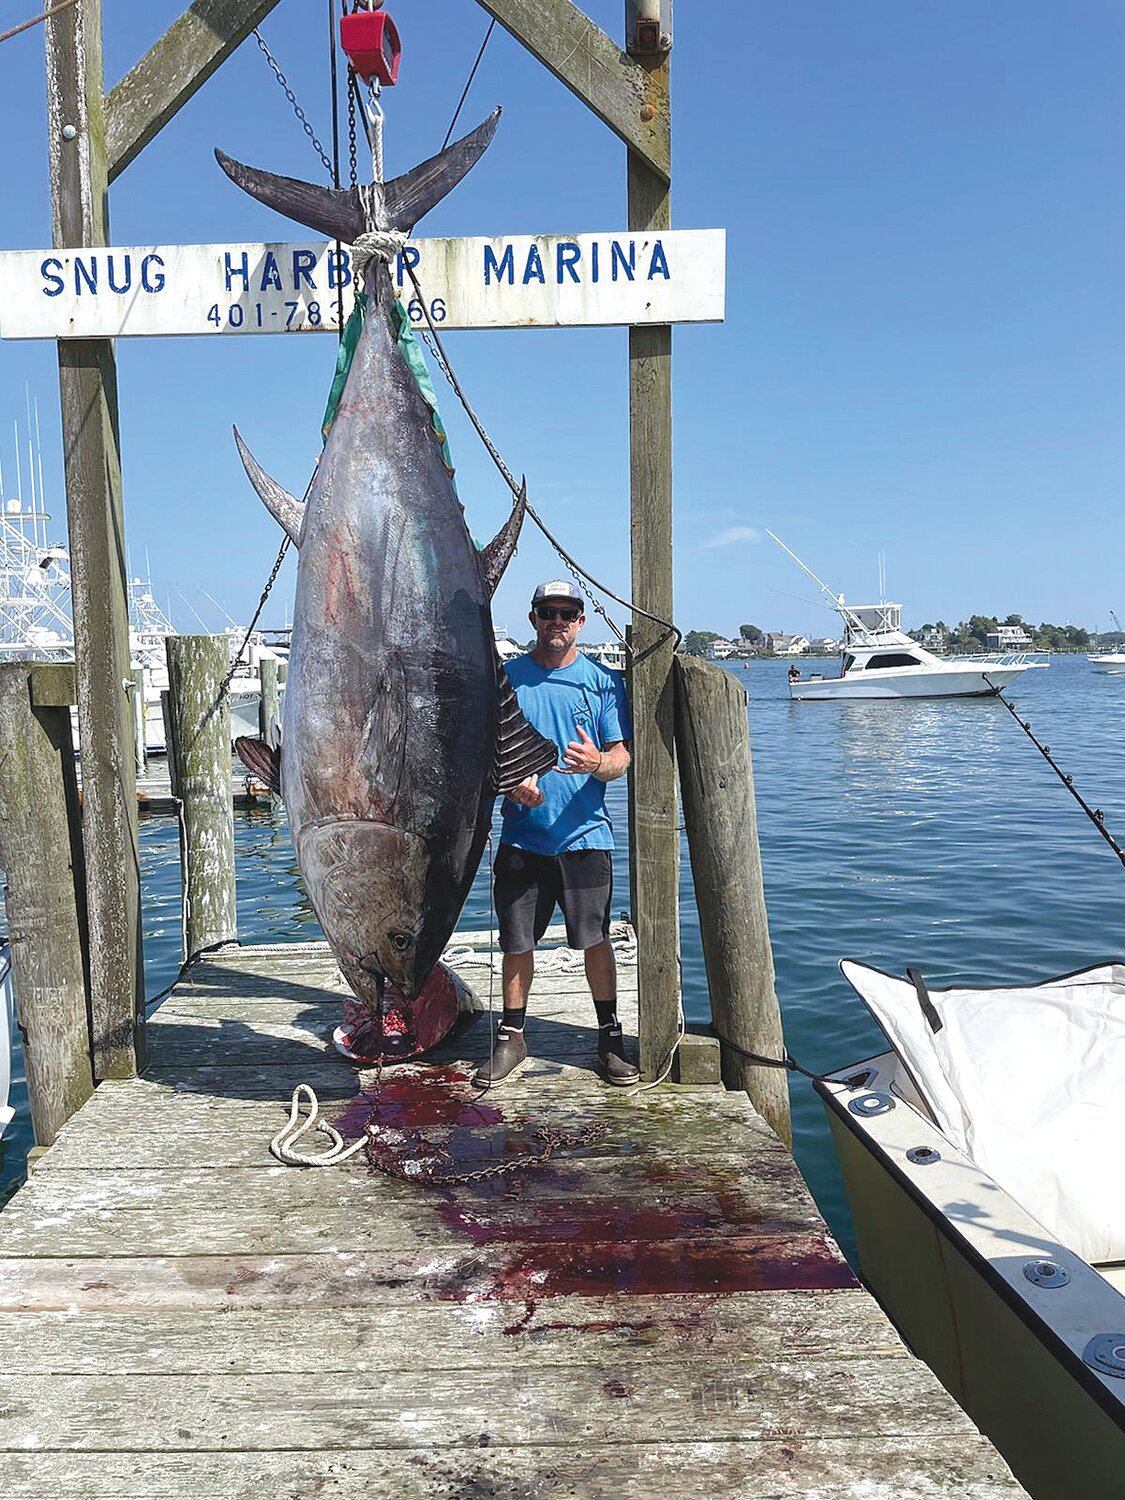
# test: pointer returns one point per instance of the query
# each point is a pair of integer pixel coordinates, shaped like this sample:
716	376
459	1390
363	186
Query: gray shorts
529	886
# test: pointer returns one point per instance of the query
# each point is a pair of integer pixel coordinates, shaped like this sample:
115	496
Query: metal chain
352	170
380	1156
261	605
289	94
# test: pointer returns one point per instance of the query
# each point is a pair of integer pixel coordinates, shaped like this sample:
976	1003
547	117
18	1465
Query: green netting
411	352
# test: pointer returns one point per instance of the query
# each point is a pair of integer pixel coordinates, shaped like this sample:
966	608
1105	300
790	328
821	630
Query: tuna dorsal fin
263	760
286	510
413	194
498	554
521	751
335	212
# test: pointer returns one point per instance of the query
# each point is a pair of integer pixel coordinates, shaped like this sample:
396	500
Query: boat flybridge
880	661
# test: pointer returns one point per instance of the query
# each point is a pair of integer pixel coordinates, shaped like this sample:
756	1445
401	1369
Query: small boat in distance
1109	661
880	661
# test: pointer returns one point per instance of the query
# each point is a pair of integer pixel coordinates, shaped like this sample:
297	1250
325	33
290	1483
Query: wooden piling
269	705
40	850
717	784
140	718
200	712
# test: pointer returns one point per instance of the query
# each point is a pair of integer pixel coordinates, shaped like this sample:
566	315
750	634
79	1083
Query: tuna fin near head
286	509
498	554
335	212
521	751
409	197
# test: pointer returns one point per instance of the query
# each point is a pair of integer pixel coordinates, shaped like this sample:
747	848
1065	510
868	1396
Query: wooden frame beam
172	70
593	66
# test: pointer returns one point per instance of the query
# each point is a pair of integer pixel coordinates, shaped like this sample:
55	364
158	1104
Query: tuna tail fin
340	214
521	750
335	212
287	511
498	554
263	760
409	197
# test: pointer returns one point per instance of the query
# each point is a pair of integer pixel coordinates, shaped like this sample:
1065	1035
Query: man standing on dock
556	843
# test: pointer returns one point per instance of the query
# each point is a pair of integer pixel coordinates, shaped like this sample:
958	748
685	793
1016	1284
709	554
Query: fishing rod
851	619
1095	814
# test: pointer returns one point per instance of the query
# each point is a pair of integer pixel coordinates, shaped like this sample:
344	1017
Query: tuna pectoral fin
263	760
336	212
522	750
413	194
286	509
498	554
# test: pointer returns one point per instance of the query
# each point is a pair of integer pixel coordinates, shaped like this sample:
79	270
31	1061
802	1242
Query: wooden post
140	718
269	705
197	669
41	853
717	779
654	847
91	455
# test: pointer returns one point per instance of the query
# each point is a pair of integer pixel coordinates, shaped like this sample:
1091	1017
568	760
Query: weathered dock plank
656	1309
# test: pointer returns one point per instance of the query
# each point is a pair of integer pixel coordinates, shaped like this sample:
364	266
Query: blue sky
923	355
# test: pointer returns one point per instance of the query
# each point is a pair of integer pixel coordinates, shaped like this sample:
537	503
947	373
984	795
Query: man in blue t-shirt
556	844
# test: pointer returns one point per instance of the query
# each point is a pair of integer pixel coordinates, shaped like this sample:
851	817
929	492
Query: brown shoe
613	1065
508	1057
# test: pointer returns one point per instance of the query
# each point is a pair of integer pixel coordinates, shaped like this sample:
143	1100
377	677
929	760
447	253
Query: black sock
512	1019
606	1012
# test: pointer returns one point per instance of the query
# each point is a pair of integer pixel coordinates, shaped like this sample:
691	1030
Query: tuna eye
400	941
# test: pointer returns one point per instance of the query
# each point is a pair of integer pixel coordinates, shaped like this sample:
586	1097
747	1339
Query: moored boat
879	660
981	1161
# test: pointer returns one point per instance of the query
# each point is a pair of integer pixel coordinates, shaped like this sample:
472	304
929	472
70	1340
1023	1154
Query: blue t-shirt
572	815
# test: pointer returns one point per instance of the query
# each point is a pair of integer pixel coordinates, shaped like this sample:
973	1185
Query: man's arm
615	761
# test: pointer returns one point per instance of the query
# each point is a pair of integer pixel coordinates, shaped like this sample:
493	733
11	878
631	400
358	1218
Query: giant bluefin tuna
399	724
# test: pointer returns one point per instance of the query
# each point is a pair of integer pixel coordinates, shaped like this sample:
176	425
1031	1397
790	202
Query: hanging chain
353	175
261	605
289	94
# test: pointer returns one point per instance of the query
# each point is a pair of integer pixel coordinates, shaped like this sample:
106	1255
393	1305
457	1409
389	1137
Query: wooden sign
514	281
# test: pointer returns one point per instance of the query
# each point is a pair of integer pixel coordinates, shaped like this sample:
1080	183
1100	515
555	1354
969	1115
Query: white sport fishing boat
1109	661
880	661
982	1163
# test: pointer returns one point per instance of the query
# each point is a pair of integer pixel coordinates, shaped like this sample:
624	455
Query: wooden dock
661	1312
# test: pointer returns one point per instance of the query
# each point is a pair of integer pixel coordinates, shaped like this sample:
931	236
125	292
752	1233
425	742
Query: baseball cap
557	588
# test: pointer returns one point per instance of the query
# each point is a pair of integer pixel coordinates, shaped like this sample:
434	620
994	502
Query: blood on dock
180	1314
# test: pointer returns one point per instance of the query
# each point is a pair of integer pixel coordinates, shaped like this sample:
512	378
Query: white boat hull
909	682
944	1249
1111	661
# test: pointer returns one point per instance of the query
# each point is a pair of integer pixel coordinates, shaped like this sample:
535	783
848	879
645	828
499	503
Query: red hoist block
370	38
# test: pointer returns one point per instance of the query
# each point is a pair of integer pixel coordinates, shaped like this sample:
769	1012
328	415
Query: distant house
1008	638
720	648
823	645
932	637
786	645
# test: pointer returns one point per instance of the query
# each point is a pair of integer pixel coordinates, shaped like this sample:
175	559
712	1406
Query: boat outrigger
880	661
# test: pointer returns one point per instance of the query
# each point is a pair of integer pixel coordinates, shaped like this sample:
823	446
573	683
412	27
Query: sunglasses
556	612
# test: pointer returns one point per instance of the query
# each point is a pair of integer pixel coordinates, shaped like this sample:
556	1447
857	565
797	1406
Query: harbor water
915	832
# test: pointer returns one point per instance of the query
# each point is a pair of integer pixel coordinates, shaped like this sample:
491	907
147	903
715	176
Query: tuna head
367	882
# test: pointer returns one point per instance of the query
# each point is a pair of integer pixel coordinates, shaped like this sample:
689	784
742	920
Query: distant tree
751	633
1014	620
699	642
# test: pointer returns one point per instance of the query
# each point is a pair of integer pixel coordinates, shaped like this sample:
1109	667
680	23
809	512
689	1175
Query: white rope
375	244
284	1142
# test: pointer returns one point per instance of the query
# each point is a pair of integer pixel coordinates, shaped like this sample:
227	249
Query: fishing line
334	92
469	82
446	367
1095	814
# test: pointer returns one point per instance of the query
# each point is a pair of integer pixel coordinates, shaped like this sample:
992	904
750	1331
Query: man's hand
527	794
582	756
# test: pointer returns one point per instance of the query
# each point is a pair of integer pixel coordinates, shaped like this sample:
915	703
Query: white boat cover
1029	1083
